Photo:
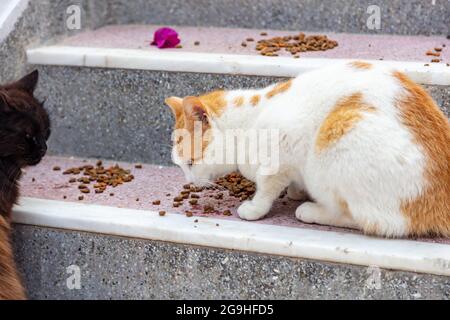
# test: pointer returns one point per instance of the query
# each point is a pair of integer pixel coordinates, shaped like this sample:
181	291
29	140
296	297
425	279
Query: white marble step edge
328	246
10	11
435	74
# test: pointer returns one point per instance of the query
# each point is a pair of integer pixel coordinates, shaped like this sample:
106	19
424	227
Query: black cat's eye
31	139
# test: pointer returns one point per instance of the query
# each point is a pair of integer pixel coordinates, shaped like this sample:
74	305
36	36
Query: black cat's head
24	123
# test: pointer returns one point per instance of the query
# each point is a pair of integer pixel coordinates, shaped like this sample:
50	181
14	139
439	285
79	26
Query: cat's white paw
249	210
308	212
295	194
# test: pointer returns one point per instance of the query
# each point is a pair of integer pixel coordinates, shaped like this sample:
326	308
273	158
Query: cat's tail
10	284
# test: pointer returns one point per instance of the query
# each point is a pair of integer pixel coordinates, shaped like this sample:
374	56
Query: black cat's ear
27	83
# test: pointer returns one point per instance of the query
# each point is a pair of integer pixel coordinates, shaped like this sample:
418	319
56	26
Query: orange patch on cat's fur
360	65
343	205
176	105
238	101
279	88
214	102
430	212
345	114
255	100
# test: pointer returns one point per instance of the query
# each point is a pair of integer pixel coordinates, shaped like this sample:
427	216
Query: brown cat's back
10	286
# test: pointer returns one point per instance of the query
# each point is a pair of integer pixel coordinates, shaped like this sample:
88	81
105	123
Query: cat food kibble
100	176
294	44
162	213
56	168
156	202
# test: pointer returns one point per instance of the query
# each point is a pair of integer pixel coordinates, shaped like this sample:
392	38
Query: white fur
373	167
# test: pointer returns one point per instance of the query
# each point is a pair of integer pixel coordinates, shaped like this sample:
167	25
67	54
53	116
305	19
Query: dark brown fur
24	129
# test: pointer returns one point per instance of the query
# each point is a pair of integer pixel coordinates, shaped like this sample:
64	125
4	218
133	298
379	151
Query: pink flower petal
165	38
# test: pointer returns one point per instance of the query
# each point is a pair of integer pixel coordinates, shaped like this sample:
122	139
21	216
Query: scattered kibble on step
33	179
294	44
138	166
156	202
196	43
162	213
431	53
99	176
227	213
263	33
80	198
189	214
436	54
56	168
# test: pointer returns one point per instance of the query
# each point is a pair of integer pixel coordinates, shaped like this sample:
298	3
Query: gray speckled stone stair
122	268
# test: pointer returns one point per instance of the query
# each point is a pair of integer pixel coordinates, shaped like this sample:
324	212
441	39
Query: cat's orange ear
176	104
194	109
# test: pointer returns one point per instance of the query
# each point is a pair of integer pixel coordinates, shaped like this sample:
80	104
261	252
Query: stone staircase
105	88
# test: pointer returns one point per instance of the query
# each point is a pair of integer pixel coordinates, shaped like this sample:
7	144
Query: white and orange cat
366	143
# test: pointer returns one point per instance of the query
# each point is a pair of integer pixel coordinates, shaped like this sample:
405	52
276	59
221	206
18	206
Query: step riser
120	114
397	17
125	268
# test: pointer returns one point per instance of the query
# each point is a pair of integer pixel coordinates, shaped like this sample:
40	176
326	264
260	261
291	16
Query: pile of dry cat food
294	44
98	177
236	185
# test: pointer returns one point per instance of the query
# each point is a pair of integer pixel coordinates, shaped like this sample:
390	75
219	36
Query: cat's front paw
249	210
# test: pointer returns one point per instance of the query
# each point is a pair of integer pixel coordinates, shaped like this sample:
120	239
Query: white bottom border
406	255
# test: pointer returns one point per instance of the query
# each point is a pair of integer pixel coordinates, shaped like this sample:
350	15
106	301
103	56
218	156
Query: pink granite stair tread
151	183
224	40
